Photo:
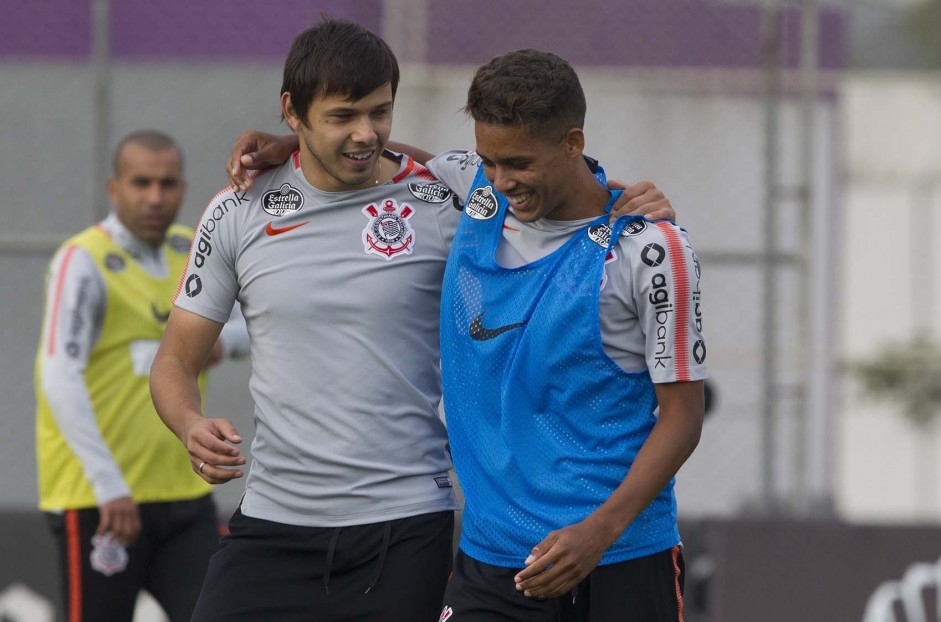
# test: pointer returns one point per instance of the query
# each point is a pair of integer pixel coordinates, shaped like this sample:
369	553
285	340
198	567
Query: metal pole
101	60
405	29
771	42
805	354
922	223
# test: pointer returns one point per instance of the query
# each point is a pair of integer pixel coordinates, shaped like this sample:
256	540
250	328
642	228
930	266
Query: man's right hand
256	150
121	518
214	458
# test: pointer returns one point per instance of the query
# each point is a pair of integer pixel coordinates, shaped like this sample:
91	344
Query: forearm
672	440
174	376
174	388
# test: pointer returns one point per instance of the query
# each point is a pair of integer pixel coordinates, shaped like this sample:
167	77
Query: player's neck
586	198
322	178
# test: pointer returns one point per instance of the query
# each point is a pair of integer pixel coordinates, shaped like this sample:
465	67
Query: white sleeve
456	170
234	335
665	276
75	303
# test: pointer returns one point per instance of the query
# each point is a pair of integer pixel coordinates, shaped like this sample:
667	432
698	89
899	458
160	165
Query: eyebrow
350	108
512	160
147	179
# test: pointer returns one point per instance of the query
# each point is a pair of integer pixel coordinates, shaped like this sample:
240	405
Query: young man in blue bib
573	363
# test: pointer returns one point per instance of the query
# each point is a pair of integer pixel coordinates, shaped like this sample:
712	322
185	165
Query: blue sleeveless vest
543	425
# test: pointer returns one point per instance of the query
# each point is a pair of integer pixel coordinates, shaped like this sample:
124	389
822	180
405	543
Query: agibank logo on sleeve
285	200
207	226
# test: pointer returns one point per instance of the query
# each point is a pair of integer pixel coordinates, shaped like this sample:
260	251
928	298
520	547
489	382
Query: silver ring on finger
201	465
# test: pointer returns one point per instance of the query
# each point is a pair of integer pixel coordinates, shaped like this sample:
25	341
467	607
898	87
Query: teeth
360	156
519	198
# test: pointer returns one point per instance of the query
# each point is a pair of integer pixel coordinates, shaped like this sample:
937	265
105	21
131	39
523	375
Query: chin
525	216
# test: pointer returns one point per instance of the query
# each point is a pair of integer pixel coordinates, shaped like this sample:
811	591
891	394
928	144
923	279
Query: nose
502	179
364	131
155	194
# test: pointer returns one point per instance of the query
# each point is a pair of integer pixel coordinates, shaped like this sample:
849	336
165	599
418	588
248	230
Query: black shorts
394	571
169	560
647	589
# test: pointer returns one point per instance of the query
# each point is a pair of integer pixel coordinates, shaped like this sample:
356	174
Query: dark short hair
152	140
536	90
337	57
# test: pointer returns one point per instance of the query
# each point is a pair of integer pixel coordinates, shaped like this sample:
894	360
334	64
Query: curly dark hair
528	88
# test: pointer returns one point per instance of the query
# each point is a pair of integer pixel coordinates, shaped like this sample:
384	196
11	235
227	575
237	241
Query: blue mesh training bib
543	424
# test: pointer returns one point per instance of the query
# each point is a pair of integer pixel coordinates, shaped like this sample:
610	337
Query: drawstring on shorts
386	533
331	551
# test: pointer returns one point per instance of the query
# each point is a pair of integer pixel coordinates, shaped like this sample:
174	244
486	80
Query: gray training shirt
341	294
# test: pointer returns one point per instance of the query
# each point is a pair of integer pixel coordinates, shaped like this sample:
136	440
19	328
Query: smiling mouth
519	199
361	157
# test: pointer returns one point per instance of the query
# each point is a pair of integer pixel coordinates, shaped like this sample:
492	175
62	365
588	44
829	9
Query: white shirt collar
149	257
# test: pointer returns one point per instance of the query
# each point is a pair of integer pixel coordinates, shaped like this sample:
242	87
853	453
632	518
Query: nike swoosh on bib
270	230
159	315
479	333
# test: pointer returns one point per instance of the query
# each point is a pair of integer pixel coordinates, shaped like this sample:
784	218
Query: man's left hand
572	553
641	199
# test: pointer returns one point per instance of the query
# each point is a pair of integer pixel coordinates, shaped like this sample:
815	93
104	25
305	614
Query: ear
113	190
574	141
290	114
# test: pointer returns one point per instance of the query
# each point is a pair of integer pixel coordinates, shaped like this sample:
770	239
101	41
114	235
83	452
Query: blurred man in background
124	505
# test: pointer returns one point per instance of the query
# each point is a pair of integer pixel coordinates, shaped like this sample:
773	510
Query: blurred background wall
799	141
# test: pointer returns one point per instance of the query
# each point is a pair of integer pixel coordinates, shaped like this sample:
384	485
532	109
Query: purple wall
170	29
647	33
38	28
650	33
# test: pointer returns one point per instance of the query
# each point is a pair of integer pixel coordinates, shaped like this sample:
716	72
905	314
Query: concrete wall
888	469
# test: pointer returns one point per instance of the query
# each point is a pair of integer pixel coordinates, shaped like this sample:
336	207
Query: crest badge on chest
388	233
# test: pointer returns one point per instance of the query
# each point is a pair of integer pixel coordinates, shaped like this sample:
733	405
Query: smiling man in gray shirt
336	257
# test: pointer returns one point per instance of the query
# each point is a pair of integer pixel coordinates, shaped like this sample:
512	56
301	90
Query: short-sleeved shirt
634	271
341	295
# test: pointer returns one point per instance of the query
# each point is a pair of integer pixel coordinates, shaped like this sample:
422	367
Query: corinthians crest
388	232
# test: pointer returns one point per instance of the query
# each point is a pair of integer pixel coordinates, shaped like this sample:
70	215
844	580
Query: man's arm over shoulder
456	169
